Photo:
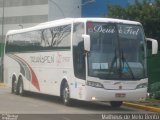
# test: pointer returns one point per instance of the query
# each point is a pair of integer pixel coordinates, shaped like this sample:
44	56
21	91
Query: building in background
23	13
64	8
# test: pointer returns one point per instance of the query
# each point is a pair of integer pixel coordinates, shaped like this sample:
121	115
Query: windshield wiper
114	62
125	61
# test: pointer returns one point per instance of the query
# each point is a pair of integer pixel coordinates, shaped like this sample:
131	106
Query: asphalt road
44	107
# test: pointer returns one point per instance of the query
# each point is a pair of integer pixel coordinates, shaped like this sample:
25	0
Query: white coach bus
89	59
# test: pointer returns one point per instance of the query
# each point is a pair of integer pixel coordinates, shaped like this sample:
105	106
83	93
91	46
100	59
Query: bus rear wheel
21	87
116	104
66	95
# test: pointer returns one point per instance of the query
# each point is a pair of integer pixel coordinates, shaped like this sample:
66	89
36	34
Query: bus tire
66	94
116	104
14	86
21	87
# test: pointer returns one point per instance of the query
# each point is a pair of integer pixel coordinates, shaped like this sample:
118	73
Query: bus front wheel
116	104
66	94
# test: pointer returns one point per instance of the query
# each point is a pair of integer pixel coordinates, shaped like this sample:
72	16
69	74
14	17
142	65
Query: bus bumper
99	94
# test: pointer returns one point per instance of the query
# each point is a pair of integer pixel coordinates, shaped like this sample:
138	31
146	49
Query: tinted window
45	39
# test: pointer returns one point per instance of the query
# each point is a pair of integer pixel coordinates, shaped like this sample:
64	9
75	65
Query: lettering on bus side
42	59
61	58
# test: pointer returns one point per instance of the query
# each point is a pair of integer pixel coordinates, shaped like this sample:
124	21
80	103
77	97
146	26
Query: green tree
146	13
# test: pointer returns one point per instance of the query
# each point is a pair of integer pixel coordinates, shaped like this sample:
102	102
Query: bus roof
69	21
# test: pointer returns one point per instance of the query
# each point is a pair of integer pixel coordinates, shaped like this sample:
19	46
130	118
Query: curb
155	101
2	85
143	107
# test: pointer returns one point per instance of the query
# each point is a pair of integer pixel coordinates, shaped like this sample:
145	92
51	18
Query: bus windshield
118	51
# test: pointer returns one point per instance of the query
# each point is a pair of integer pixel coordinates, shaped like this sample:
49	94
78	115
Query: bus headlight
94	84
142	85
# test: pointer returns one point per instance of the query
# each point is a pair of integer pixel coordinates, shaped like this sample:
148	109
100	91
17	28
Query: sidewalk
148	105
2	85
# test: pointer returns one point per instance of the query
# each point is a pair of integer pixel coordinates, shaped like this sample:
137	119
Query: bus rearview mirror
154	45
87	42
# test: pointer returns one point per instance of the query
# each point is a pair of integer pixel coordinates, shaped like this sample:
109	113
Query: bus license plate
120	95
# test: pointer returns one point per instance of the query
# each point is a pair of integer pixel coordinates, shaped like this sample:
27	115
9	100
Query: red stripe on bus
34	79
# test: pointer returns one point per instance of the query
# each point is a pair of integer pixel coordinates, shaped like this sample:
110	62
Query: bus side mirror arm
154	45
87	42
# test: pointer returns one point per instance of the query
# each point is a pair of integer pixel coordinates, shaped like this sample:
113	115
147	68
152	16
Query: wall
25	12
59	9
